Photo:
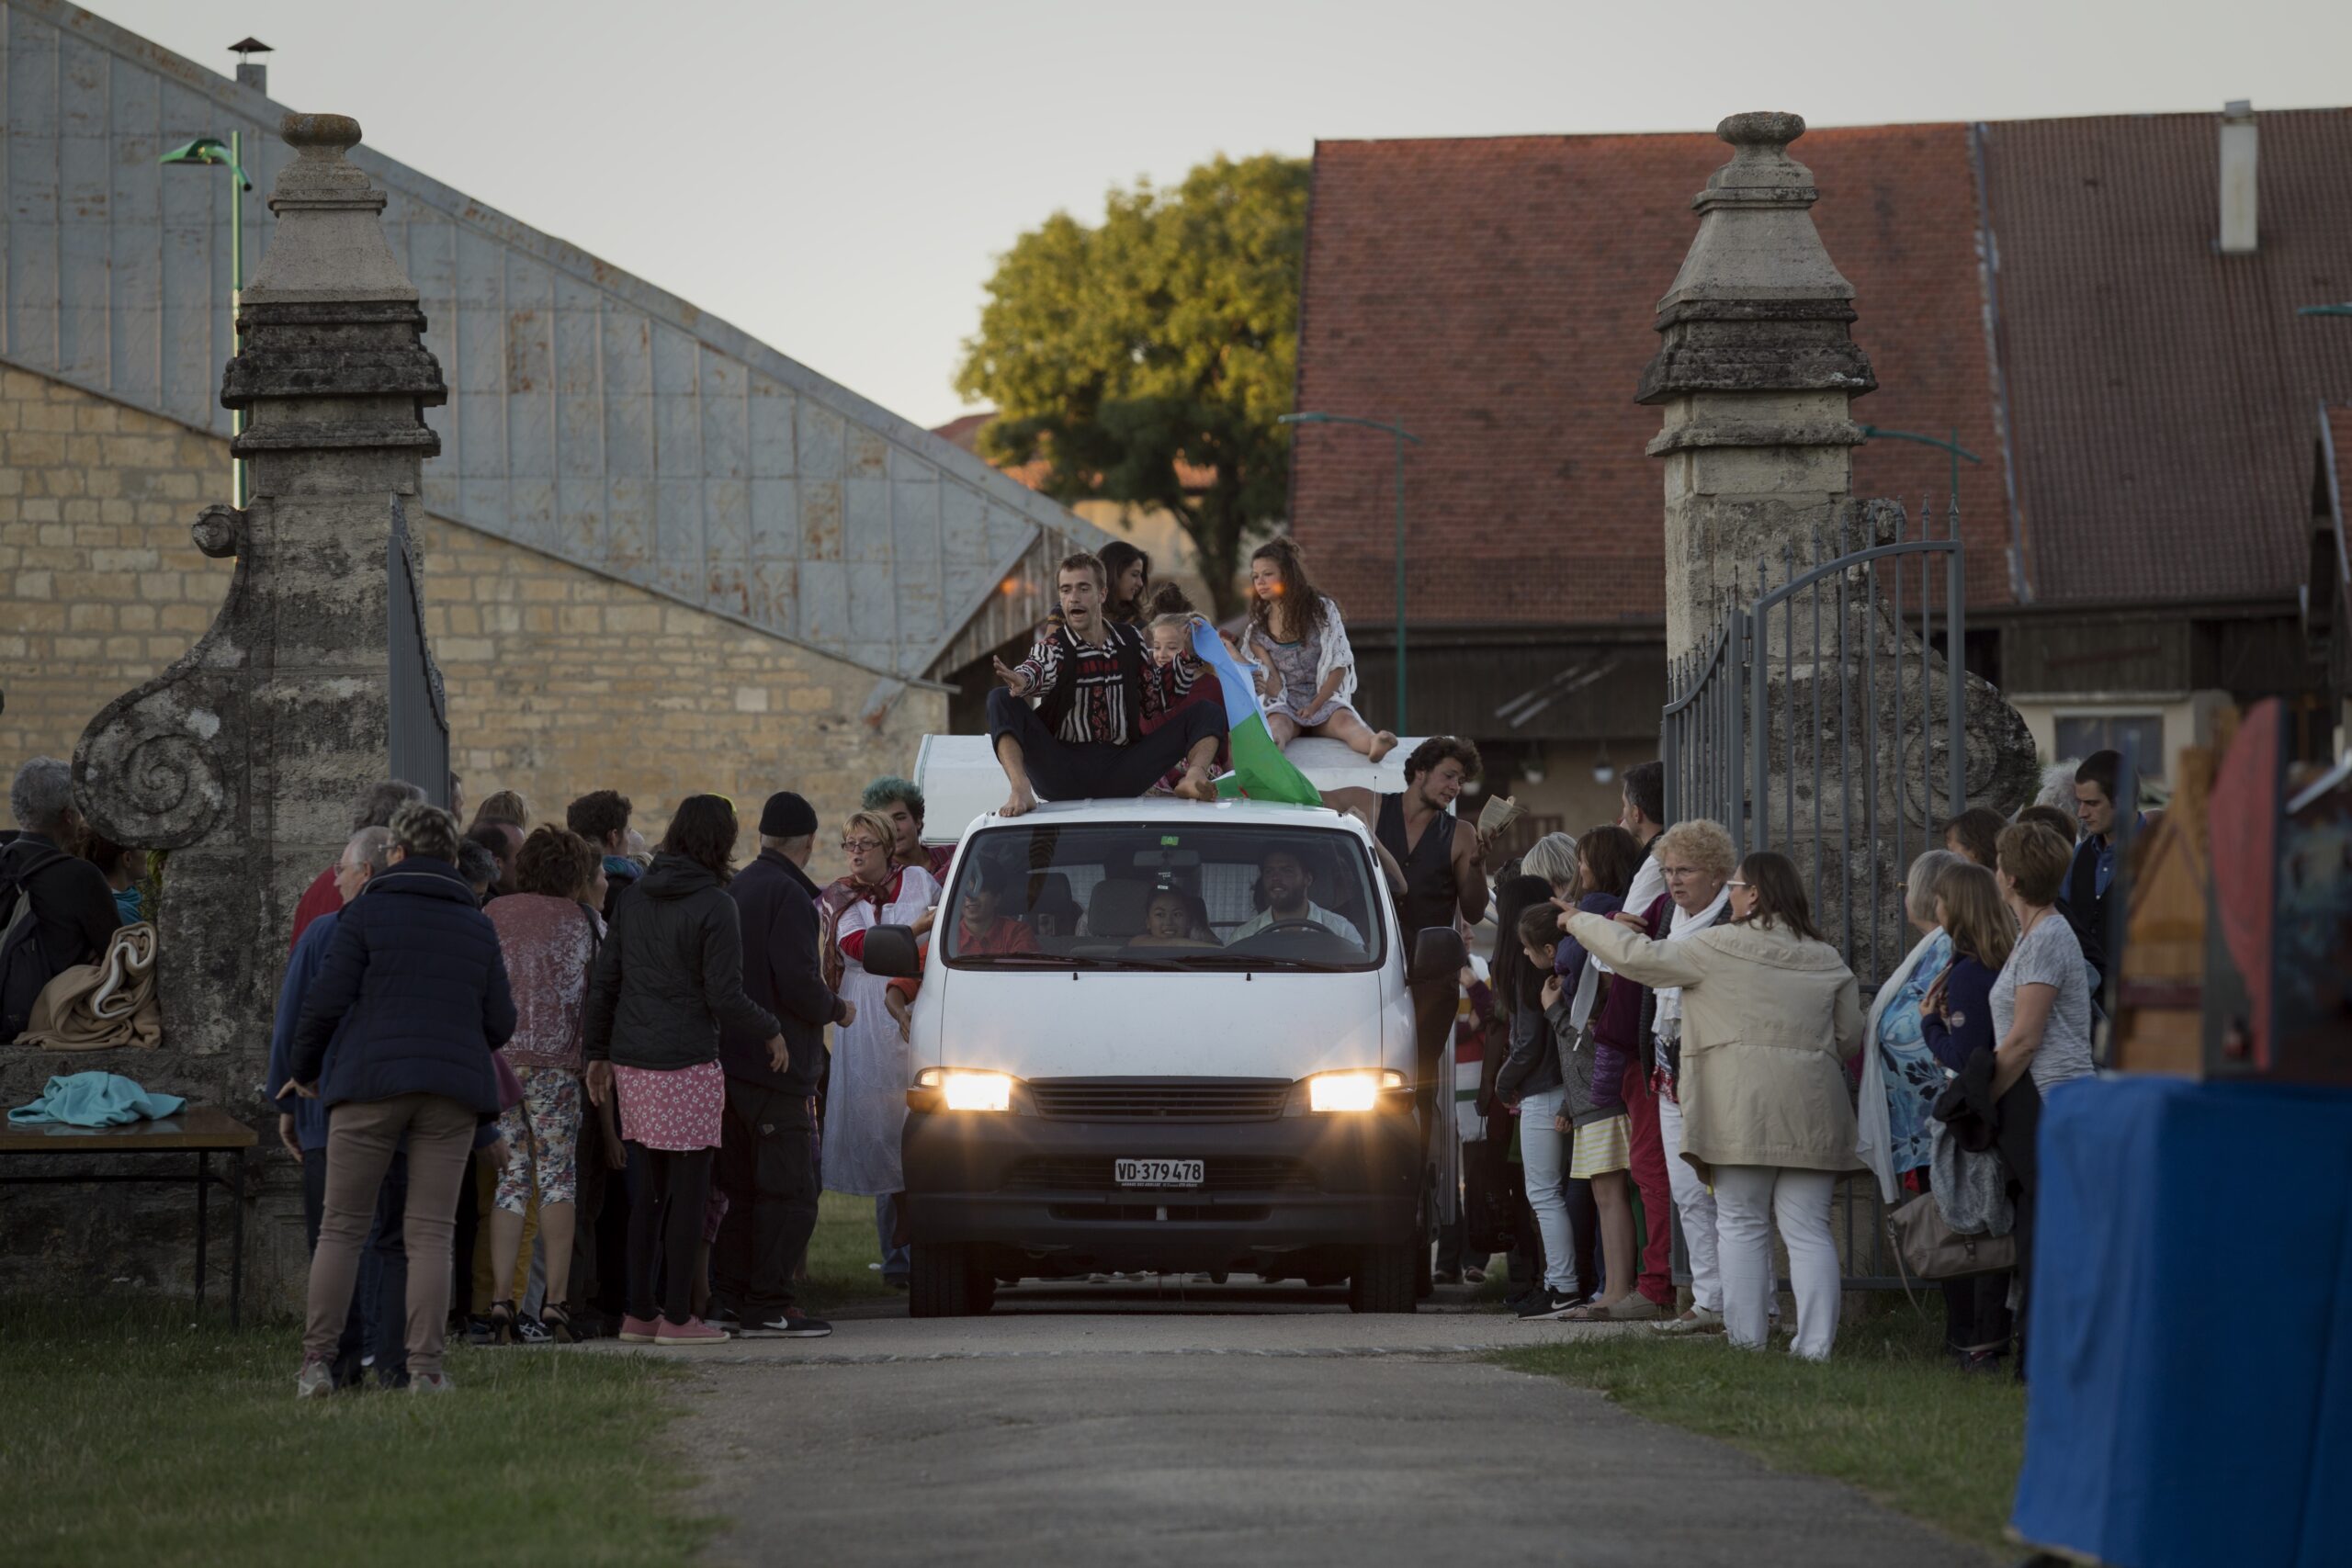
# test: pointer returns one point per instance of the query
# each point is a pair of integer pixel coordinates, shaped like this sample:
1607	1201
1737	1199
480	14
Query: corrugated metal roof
591	415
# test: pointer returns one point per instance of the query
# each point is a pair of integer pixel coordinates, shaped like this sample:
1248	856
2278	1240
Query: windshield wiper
1255	961
1054	961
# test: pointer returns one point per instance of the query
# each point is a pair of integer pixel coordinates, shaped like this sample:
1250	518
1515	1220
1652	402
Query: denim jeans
1544	1150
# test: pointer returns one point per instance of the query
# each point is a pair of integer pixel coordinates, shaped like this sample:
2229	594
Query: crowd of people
1664	1020
548	1082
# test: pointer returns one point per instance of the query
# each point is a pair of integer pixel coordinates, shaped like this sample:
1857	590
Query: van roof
962	784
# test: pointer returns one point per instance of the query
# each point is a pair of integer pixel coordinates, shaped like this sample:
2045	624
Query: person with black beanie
767	1160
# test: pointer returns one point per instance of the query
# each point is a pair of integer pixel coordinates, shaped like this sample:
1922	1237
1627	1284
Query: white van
1134	1067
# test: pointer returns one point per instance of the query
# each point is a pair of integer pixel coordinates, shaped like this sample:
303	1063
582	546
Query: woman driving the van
1168	922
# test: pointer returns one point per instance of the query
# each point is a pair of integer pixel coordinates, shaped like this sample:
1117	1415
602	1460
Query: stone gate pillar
244	757
1754	378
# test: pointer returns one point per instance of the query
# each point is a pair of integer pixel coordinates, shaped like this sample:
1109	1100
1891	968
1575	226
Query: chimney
2238	144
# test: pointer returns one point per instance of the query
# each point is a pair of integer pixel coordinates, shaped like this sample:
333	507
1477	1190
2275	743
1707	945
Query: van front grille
1159	1100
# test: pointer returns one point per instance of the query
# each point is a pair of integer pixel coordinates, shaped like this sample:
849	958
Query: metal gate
419	715
1819	718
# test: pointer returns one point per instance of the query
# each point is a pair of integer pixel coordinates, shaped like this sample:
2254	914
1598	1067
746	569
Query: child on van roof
1170	637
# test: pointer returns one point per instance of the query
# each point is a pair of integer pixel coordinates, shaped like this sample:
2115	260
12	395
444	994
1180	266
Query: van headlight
961	1088
1351	1091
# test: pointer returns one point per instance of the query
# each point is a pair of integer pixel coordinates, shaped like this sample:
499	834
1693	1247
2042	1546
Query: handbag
1931	1250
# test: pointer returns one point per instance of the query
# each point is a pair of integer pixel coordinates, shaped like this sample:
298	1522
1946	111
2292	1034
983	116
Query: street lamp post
1401	435
1952	446
211	151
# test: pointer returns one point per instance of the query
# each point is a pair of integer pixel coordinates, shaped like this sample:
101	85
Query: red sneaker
693	1331
637	1330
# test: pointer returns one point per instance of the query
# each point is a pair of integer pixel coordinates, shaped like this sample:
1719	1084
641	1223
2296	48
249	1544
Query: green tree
1166	335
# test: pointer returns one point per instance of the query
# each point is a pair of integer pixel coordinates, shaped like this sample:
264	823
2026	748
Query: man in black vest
1436	867
1086	738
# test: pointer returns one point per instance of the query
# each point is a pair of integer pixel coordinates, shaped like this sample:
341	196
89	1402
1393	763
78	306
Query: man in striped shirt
1084	737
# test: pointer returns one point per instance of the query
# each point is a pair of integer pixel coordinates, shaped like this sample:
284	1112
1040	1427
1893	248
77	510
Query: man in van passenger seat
1286	882
1084	739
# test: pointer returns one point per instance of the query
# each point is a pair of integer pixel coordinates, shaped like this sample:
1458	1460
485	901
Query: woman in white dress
865	1103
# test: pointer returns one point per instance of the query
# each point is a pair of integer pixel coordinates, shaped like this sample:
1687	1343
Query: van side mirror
1438	955
891	953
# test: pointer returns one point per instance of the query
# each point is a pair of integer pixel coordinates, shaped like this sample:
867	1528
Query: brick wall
559	681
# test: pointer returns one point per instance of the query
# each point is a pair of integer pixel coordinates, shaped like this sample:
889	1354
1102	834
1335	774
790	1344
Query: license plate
1160	1172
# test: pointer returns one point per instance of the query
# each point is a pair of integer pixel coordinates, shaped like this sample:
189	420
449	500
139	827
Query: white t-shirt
1336	924
2048	955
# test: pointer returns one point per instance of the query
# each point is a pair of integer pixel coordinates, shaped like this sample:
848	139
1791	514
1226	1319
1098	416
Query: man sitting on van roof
1286	880
1084	739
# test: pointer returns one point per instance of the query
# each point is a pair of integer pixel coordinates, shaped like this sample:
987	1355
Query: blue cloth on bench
96	1099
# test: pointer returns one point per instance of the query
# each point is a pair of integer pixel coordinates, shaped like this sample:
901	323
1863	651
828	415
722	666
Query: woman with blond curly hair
1696	859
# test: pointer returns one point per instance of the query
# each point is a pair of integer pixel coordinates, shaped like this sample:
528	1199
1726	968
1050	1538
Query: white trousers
1751	1199
1544	1151
1696	1208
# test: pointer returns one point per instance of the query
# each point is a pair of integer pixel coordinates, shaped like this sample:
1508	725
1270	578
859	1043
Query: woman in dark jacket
407	1007
667	979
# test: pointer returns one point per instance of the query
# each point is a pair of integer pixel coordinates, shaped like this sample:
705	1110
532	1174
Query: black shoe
529	1330
1544	1304
896	1282
390	1381
480	1331
722	1317
789	1324
1520	1297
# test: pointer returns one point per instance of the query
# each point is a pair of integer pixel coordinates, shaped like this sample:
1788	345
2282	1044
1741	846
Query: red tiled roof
1497	296
2162	392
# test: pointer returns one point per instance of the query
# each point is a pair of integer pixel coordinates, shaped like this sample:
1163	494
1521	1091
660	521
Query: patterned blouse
1912	1075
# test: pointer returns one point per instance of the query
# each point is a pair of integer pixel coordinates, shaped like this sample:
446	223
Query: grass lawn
1887	1414
838	1255
130	1432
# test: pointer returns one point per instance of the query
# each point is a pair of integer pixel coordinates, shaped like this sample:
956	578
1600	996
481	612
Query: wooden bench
199	1130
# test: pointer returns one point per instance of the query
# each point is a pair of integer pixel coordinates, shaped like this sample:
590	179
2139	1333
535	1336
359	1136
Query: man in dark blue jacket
767	1160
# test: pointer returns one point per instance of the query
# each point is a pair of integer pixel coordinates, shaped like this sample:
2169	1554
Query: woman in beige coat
1770	1014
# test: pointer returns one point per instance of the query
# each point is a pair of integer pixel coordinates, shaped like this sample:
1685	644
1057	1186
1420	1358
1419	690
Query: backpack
23	971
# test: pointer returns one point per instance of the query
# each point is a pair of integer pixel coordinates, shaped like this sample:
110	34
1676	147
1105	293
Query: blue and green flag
1261	772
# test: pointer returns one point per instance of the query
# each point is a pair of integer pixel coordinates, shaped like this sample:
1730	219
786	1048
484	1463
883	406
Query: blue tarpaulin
2190	1347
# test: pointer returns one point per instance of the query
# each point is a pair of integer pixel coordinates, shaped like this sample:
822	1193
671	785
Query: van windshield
1110	896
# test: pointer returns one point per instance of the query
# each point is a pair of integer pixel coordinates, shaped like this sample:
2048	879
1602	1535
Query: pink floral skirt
671	1108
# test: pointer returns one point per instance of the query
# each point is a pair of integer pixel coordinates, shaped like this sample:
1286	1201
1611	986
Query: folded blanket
96	1099
97	1006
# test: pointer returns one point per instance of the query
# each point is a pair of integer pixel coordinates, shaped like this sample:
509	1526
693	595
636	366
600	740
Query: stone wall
559	681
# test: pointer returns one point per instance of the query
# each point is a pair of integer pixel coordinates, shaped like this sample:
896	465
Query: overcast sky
838	180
